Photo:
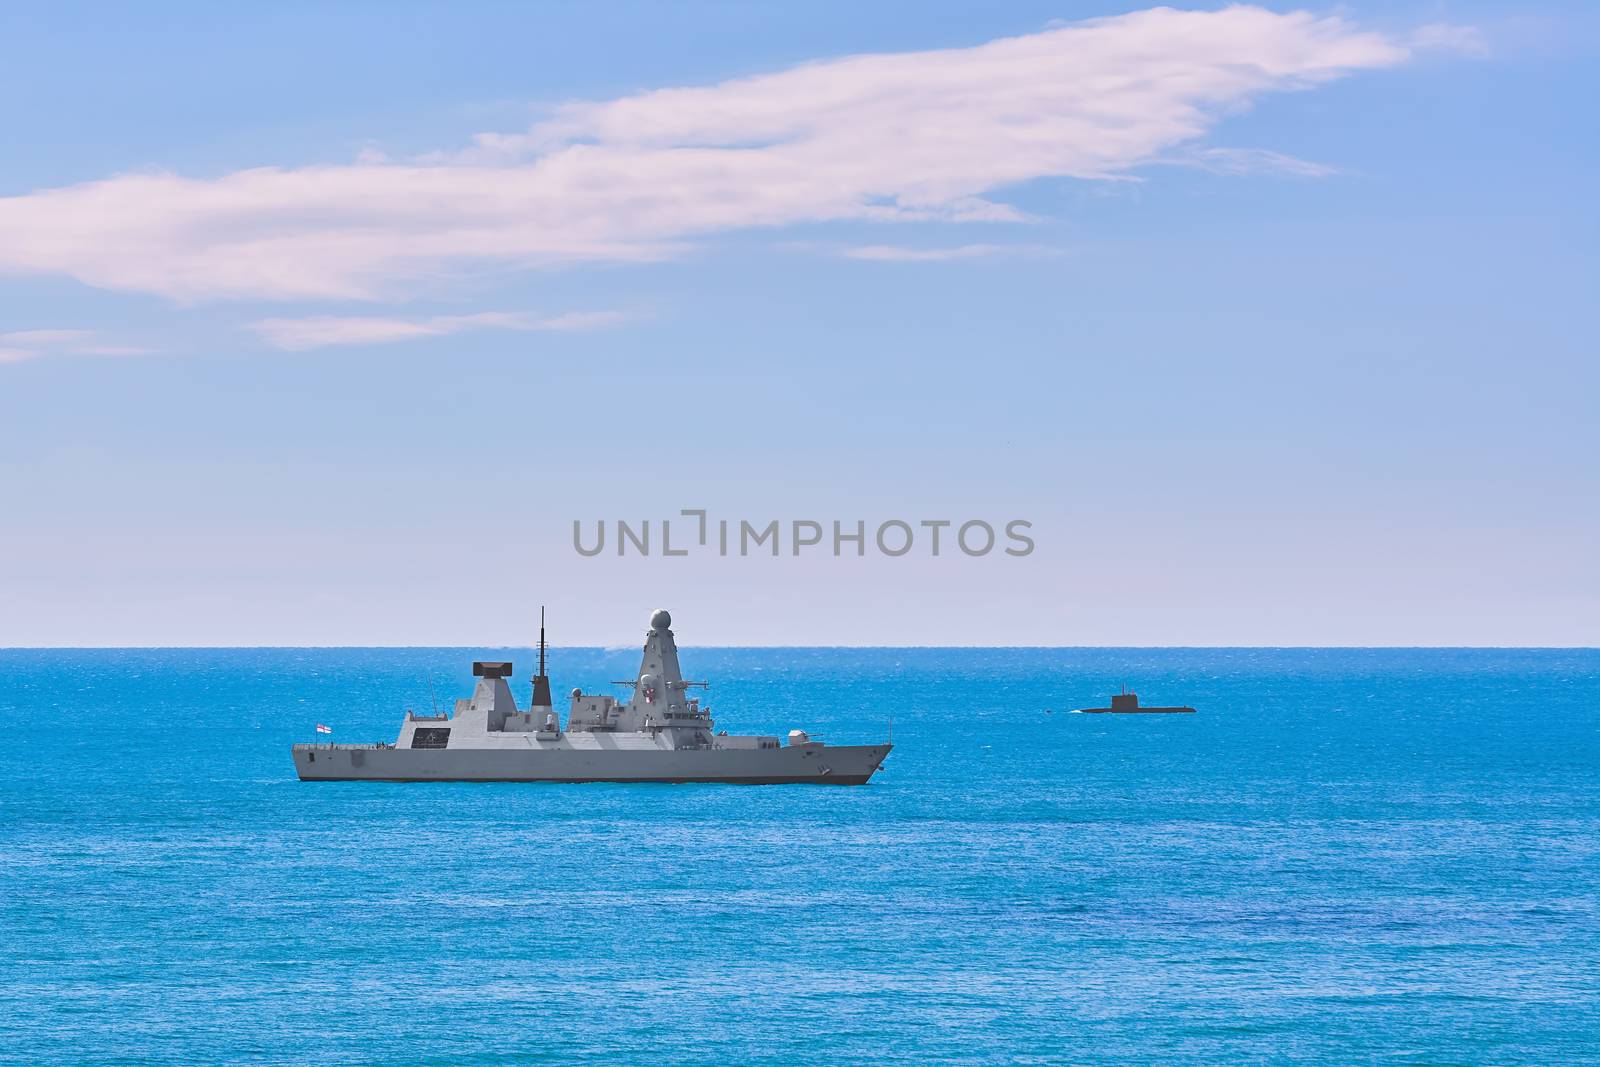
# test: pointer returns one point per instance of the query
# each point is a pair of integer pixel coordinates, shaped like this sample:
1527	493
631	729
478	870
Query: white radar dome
661	619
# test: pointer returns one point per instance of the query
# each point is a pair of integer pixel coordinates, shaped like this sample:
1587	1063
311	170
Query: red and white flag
321	729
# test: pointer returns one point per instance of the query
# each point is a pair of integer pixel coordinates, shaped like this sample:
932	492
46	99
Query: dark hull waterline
859	779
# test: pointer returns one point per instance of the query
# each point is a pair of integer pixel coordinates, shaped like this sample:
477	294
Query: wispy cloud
907	254
20	345
320	331
45	338
1250	161
1444	37
912	136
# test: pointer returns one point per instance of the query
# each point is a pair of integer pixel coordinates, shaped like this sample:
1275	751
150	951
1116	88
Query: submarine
1127	703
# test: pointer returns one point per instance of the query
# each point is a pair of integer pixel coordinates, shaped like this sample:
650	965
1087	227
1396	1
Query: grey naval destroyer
660	734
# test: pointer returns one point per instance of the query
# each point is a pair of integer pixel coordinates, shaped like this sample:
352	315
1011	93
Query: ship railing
319	746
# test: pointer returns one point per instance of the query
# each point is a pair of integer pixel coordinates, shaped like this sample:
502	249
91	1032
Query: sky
325	325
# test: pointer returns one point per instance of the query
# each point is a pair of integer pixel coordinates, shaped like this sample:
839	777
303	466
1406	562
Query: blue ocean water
1346	856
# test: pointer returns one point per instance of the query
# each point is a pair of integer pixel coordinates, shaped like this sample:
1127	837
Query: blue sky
1279	330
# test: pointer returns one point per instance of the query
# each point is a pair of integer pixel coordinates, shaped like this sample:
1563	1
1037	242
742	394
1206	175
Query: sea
1346	856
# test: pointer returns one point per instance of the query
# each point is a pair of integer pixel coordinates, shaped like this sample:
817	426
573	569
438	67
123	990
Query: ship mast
541	683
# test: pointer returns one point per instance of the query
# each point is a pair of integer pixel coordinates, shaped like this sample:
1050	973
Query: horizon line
533	647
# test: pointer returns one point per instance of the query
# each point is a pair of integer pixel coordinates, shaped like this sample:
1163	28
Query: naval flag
321	729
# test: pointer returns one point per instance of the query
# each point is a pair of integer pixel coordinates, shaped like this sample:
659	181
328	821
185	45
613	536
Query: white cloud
111	350
905	254
20	345
1443	37
921	135
44	338
1250	161
320	331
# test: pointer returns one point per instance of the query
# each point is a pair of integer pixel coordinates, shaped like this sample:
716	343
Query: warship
1126	703
660	734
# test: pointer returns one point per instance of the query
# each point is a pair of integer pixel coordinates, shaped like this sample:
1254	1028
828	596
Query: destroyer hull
792	765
